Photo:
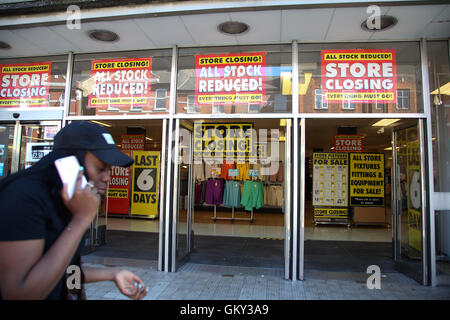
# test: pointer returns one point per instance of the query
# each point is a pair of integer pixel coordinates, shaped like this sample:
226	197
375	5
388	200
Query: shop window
33	82
375	77
254	108
218	109
381	106
403	99
191	107
319	99
348	105
439	77
118	83
160	99
239	79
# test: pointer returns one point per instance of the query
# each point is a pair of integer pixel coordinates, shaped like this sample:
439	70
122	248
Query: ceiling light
103	35
388	148
385	122
101	123
233	27
150	139
4	45
385	22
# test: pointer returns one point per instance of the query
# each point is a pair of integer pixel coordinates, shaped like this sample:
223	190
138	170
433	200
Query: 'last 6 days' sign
145	187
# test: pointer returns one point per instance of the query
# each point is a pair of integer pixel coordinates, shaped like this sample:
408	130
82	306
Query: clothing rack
232	216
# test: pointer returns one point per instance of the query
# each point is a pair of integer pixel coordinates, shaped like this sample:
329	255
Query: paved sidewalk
206	282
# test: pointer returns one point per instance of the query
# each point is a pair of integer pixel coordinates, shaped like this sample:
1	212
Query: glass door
184	193
7	133
24	143
408	204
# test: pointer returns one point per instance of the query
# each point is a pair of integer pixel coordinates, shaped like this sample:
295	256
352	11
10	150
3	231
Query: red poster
132	142
230	79
120	83
25	84
348	143
119	185
119	191
364	76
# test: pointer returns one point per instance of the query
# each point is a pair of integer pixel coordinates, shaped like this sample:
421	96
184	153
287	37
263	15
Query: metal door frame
17	139
426	271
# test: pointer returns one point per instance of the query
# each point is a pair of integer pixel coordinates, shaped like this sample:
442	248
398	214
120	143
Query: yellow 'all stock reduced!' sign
145	187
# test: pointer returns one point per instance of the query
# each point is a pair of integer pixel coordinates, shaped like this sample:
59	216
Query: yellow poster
145	183
414	196
330	179
223	140
335	213
367	179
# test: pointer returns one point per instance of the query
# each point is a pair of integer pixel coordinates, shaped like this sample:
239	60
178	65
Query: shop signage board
330	179
145	183
50	132
414	195
221	140
359	76
348	143
121	83
230	79
120	181
367	180
132	142
37	150
119	190
25	84
331	213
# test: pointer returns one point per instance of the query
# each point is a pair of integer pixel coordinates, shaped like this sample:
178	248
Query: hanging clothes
243	171
224	170
253	195
198	193
279	175
214	191
273	196
199	172
232	194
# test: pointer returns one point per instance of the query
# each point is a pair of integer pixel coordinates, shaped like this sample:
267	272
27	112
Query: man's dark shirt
32	208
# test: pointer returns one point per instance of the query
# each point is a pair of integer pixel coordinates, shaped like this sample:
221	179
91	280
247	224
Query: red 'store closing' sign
348	143
25	84
359	75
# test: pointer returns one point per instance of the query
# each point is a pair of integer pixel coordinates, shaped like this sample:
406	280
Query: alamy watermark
373	22
374	280
73	277
73	17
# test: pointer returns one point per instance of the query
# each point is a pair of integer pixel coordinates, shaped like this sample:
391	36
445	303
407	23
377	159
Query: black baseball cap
90	136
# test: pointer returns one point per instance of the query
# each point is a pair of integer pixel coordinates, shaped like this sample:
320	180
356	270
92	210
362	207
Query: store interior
235	236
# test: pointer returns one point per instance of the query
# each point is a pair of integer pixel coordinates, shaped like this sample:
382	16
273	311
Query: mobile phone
68	168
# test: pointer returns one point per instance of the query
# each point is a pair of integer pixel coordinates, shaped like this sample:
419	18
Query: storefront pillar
428	228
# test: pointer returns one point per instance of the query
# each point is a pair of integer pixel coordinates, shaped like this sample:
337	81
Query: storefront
251	151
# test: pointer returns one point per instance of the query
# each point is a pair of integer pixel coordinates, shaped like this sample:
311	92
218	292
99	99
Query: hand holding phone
68	169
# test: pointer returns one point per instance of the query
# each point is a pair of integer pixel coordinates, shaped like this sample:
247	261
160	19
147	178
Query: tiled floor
321	232
205	282
195	281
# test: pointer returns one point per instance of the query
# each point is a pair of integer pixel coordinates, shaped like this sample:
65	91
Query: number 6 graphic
414	190
145	181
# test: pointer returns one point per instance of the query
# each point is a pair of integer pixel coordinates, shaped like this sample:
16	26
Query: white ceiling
266	26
